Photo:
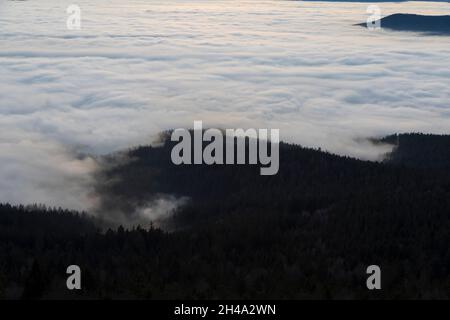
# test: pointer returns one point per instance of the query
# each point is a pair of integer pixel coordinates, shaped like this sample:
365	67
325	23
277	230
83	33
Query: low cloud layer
156	211
139	67
34	170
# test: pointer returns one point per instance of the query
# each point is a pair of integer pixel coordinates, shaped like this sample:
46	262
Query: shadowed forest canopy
308	232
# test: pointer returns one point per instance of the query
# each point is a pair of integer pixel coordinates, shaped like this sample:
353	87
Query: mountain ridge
439	25
307	233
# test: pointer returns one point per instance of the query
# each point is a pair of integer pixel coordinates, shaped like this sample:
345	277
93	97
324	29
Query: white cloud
138	67
33	170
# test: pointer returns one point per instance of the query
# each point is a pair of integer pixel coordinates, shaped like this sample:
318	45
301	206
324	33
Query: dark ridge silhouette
308	232
418	150
417	23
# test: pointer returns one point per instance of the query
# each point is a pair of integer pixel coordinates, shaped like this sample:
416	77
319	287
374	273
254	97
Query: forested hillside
420	150
308	232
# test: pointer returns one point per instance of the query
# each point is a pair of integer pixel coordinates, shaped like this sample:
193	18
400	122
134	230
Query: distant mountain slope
308	232
420	150
308	179
417	23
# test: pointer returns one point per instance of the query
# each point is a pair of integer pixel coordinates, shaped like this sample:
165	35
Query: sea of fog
137	67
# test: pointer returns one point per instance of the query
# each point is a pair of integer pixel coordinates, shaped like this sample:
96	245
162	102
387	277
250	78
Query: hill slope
416	23
308	232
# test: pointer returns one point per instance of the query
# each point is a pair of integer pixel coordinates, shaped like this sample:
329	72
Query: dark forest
308	232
